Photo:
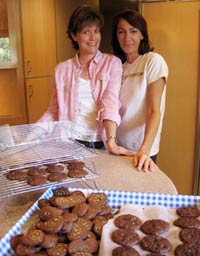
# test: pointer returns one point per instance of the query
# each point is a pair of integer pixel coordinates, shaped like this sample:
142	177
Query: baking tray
24	146
115	200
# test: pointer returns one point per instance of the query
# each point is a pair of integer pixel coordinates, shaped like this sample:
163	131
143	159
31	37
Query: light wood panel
38	95
174	31
38	33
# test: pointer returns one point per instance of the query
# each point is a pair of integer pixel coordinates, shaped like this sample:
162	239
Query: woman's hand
142	161
113	148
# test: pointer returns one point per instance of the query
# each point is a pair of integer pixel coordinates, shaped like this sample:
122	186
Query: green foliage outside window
4	49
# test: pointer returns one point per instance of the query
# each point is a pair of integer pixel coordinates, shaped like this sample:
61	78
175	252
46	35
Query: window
8	23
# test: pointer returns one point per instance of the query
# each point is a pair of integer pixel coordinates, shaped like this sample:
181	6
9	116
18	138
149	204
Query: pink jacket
105	73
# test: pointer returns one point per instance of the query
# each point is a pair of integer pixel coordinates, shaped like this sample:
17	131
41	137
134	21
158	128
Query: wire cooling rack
24	146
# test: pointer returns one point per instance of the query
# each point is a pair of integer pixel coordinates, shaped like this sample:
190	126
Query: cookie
61	191
75	165
89	244
36	171
63	202
97	198
53	168
188	211
187	249
93	211
155	243
54	225
127	221
99	222
80	229
33	237
15	241
49	241
154	226
124	251
80	209
126	237
77	173
23	249
57	176
19	175
190	235
36	180
59	249
48	212
187	222
70	216
43	202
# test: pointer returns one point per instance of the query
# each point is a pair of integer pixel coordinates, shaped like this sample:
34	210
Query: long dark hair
81	17
136	20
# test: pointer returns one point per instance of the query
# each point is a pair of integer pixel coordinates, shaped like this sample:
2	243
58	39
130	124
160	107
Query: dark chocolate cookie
33	237
187	222
19	175
80	209
54	168
154	226
97	198
49	241
126	237
190	235
48	212
80	229
36	171
36	180
77	173
124	251
89	244
127	221
187	249
59	249
61	191
75	165
54	225
154	243
188	211
57	176
64	202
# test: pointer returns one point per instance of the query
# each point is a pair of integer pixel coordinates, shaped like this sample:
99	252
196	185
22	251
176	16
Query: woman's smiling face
88	39
129	37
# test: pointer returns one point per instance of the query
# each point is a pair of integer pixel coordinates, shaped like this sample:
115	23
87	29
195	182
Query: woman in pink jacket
86	87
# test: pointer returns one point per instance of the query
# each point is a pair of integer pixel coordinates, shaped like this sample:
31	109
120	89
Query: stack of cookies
58	172
68	223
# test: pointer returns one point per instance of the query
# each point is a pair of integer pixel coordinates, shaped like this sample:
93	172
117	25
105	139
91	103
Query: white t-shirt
87	113
137	76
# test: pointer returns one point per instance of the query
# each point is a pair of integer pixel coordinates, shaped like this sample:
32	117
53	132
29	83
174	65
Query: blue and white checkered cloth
115	200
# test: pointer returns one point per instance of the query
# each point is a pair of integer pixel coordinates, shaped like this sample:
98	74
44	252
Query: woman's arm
154	94
111	143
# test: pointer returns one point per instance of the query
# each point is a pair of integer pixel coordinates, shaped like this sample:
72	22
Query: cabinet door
174	31
38	95
39	37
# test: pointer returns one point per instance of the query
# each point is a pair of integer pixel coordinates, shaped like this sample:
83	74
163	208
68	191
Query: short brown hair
81	17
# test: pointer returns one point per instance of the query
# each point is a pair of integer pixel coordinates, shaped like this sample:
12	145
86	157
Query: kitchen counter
115	173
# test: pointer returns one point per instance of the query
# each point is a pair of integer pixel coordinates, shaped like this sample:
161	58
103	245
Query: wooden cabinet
175	32
39	50
38	94
39	37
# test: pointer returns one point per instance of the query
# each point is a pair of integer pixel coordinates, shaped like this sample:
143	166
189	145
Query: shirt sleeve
109	102
156	68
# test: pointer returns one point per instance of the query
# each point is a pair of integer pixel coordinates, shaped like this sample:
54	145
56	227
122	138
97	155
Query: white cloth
87	111
137	76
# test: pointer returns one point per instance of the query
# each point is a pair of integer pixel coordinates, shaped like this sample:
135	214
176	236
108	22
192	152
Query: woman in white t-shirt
143	90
